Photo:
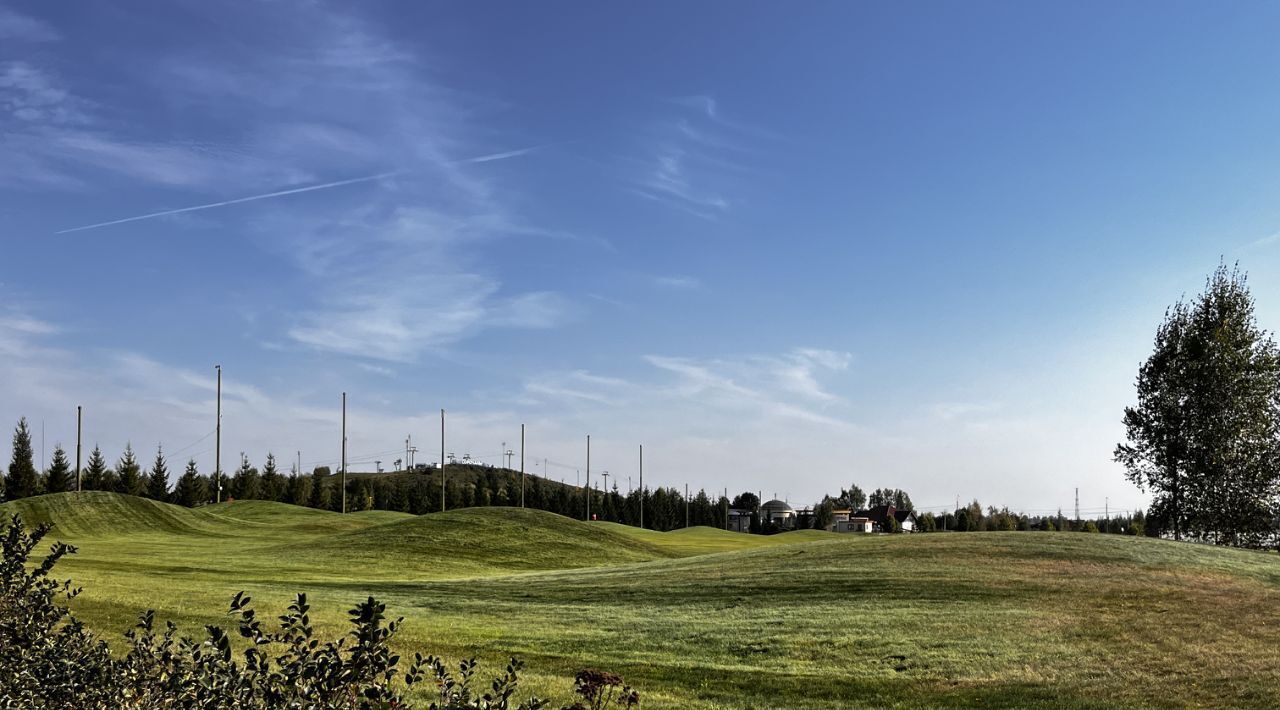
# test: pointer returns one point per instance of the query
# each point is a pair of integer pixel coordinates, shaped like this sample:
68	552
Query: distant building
739	520
844	520
879	517
778	513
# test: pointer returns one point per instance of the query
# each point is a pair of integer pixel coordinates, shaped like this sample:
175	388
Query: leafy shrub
599	690
1090	527
48	658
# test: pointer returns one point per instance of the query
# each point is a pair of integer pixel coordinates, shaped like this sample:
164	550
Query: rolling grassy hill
701	618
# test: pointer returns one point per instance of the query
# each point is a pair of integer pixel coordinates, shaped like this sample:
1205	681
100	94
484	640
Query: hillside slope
93	514
480	541
802	620
703	540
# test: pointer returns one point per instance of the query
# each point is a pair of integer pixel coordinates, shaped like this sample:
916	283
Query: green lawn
703	618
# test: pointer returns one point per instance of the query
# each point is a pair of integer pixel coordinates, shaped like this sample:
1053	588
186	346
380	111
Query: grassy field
702	618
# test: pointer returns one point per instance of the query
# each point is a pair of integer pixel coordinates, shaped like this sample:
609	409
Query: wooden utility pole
79	422
588	486
217	444
441	460
521	465
642	486
344	452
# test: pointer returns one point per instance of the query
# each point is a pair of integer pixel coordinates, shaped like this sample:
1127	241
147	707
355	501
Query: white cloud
339	99
15	26
31	95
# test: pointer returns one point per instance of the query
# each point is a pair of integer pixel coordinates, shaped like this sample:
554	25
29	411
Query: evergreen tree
246	484
1204	437
23	481
192	489
319	491
58	478
96	476
158	479
273	484
129	473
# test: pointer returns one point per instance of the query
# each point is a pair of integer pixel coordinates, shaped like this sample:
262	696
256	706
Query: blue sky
786	247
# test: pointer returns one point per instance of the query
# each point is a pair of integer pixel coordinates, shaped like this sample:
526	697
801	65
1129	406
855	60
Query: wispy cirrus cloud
339	98
31	95
16	26
695	160
768	386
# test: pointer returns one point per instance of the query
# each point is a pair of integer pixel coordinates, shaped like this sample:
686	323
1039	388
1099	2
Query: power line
175	452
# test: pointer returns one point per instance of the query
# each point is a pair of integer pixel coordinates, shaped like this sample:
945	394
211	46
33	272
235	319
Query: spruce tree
192	489
23	481
319	497
158	478
96	476
246	484
299	489
272	485
58	478
129	473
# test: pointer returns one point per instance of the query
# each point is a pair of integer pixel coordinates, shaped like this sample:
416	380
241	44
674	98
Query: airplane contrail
238	200
499	156
294	191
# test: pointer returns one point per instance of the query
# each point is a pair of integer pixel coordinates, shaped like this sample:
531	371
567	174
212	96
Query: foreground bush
48	658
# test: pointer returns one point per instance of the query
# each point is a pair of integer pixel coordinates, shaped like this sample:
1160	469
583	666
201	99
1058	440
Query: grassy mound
481	541
99	514
263	515
704	540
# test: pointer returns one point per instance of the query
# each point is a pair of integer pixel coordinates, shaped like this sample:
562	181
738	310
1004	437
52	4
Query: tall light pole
686	505
217	444
344	452
642	486
587	489
441	460
79	427
521	465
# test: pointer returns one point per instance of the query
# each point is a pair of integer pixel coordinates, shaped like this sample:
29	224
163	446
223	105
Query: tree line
466	486
470	485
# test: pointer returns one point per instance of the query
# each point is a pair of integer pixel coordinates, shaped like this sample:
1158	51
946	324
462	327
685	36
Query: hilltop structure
779	513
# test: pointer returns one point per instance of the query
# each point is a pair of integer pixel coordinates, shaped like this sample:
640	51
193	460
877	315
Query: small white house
853	524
